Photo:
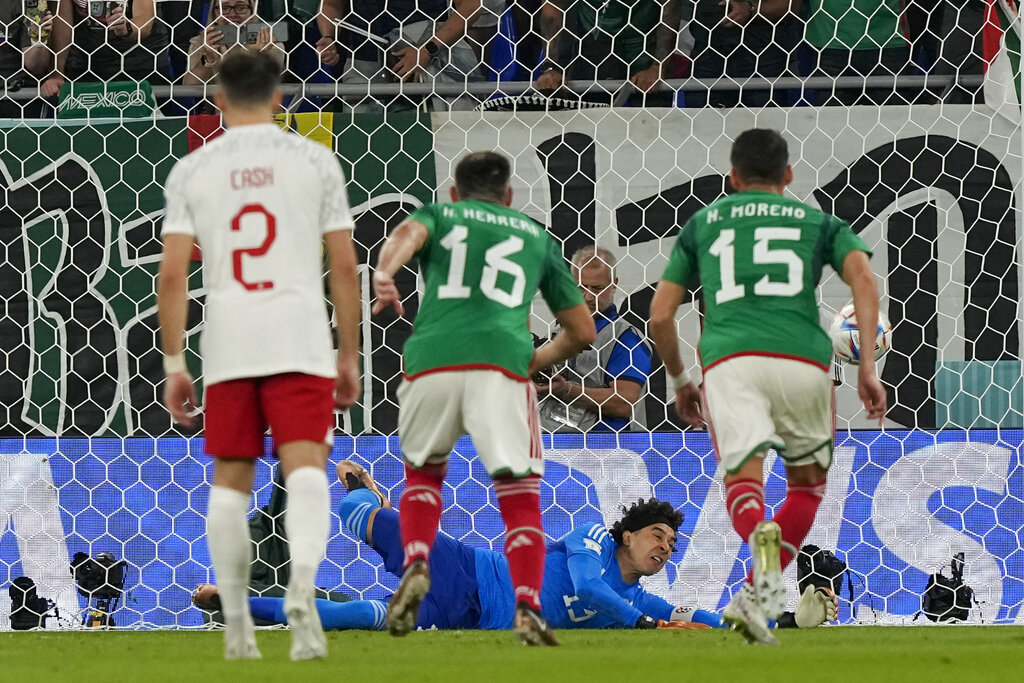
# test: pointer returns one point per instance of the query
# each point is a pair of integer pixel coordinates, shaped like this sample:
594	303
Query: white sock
227	532
307	522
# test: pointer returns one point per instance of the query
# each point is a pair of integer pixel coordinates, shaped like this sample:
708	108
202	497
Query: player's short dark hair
482	175
760	155
248	77
644	513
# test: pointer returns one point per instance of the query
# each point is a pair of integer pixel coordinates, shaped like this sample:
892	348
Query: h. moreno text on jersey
759	209
493	219
242	178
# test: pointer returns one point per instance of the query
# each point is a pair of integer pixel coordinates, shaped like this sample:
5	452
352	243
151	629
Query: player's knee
806	475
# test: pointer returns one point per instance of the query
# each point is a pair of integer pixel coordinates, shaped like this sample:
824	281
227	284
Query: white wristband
681	380
175	363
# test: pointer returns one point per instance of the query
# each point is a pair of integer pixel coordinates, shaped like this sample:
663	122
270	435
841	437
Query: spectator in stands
206	49
380	18
616	39
601	389
108	41
22	56
857	38
739	40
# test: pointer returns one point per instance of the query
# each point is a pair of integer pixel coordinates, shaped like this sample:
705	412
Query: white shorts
498	412
757	402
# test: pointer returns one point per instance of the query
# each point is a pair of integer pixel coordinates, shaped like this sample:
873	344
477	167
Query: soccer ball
845	335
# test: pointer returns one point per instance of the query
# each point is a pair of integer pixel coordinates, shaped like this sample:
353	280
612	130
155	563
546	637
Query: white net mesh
89	461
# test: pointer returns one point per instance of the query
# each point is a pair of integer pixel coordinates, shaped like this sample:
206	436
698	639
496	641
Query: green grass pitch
862	654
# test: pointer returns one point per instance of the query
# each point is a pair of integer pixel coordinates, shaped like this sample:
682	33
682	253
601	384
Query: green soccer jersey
482	264
758	259
856	25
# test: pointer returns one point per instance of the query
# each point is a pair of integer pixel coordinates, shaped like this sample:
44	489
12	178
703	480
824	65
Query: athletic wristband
681	380
175	363
645	622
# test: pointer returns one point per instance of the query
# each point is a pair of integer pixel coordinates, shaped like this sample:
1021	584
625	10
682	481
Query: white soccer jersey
258	200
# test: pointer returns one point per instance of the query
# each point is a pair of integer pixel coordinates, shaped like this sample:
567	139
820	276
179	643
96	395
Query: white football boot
404	608
765	545
308	640
744	614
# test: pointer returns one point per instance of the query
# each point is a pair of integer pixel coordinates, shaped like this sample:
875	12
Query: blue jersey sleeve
654	606
630	359
589	551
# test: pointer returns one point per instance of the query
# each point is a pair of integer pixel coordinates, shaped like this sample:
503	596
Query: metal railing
486	89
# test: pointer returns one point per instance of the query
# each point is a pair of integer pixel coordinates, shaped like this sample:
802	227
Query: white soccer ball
845	336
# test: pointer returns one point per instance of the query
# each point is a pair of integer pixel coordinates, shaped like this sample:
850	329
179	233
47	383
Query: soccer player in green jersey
467	368
757	257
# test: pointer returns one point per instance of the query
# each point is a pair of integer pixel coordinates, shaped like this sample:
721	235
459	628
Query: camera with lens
948	598
28	609
818	567
99	579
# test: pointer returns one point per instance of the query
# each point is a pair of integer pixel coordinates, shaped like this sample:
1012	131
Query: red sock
745	500
421	510
519	500
796	516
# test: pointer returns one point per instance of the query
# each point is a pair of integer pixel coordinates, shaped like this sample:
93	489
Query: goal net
90	462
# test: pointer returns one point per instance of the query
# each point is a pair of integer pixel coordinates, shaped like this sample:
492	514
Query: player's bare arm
577	333
172	312
857	273
662	328
346	299
400	246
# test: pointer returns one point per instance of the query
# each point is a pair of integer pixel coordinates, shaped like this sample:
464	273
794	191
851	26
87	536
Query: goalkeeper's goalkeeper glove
645	622
680	625
816	606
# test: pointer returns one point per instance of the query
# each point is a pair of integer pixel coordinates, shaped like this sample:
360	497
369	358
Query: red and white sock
421	510
519	501
796	516
745	500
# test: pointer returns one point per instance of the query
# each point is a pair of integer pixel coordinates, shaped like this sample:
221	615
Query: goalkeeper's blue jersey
583	561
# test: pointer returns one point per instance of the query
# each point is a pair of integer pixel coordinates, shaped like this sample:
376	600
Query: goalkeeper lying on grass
591	576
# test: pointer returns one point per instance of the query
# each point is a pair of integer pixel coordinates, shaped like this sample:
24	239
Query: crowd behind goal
634	53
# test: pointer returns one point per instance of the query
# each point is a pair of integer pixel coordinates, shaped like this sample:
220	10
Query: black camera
99	578
28	610
820	568
945	598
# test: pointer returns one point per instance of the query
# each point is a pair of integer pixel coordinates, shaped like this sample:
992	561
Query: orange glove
679	625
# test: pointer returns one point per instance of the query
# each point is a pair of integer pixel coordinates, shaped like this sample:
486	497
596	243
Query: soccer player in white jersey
261	203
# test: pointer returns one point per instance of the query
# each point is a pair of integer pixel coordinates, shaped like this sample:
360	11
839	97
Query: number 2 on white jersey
725	250
270	224
497	262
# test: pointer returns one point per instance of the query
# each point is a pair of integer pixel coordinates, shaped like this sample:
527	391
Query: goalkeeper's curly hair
643	513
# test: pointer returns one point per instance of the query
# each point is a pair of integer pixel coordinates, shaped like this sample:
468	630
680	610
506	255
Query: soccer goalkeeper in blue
591	575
